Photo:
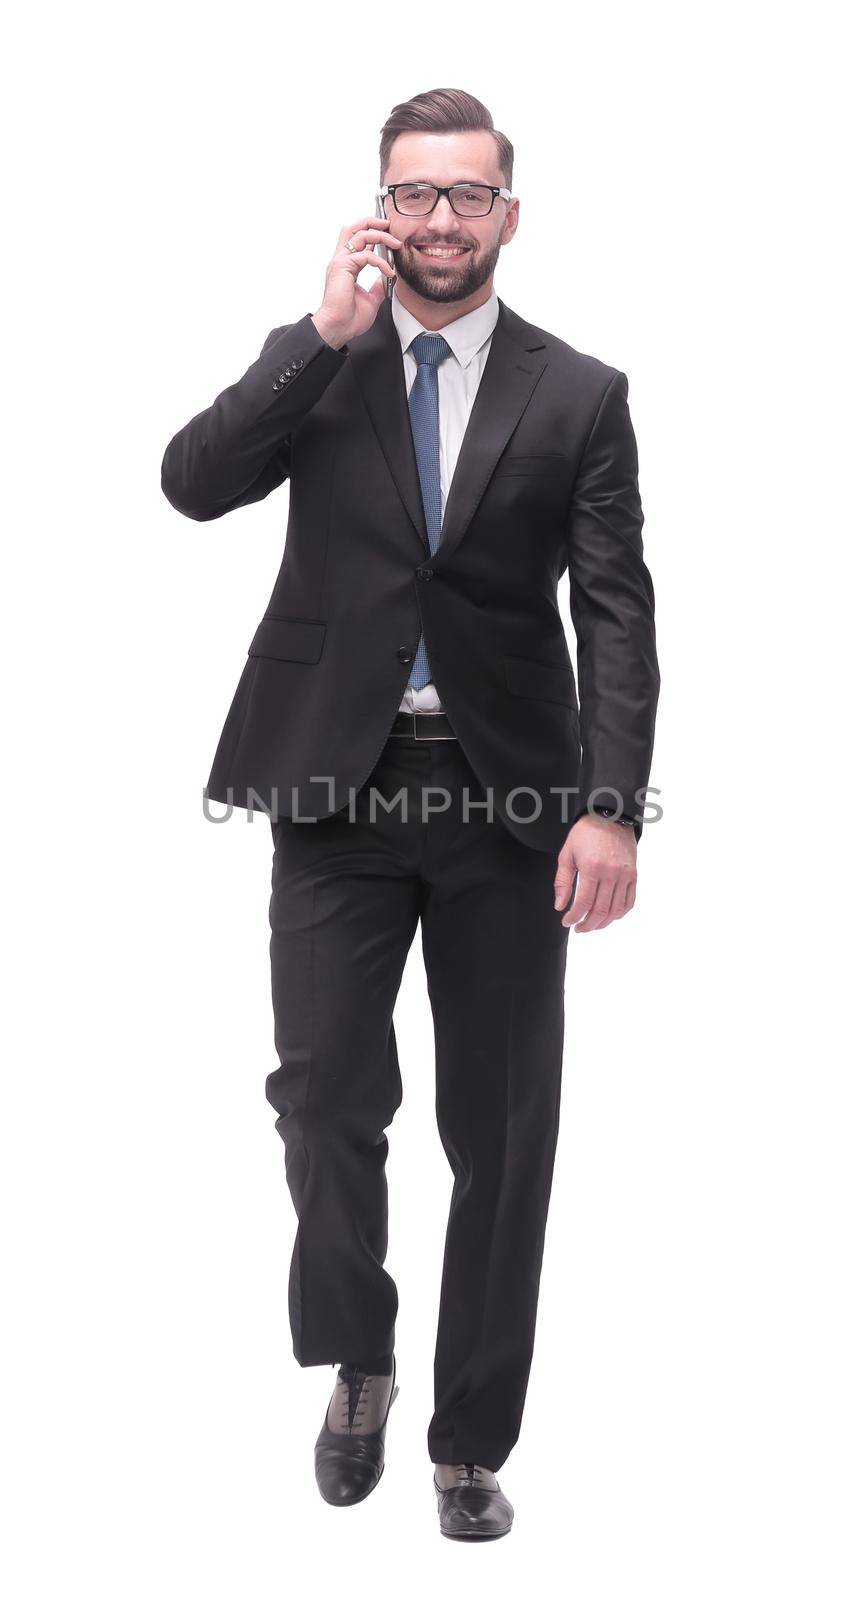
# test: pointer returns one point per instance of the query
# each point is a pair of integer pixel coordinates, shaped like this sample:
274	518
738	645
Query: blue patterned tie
429	350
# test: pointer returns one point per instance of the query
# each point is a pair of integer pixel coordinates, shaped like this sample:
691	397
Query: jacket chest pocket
517	464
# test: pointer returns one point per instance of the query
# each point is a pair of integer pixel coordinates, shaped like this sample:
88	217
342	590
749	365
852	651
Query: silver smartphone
382	250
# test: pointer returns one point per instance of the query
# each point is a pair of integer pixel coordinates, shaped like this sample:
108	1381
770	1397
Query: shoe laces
470	1474
354	1398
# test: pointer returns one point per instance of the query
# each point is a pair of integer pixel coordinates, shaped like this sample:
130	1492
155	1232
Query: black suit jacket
547	477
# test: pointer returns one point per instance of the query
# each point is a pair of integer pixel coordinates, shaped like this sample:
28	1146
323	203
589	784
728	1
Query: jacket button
404	654
426	573
296	363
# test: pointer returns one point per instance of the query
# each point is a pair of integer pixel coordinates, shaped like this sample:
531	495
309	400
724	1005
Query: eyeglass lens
466	199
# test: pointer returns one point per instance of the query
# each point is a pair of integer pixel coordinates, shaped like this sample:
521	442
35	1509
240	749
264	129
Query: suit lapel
376	359
515	363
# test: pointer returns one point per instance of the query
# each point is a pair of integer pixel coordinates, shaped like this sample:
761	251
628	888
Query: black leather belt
421	725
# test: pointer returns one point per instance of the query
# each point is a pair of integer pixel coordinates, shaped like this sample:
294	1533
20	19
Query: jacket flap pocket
539	681
289	639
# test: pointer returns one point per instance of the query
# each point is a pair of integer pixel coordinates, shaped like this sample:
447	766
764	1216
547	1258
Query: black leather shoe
471	1504
349	1453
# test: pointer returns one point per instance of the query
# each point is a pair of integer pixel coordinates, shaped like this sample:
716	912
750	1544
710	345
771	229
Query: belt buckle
421	719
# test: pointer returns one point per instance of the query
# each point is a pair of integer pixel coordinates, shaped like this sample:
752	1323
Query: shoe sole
476	1538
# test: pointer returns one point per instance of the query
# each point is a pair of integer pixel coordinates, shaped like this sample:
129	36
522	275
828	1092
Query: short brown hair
444	111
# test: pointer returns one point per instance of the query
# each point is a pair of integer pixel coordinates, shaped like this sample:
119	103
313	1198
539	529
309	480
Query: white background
176	178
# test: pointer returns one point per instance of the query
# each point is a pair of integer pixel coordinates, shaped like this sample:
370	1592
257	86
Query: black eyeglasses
466	199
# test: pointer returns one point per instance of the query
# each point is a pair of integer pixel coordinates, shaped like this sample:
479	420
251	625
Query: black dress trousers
347	896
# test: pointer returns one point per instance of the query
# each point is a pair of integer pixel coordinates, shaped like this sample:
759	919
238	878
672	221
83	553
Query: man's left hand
604	856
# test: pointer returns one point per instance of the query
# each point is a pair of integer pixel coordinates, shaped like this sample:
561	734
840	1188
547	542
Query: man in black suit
408	717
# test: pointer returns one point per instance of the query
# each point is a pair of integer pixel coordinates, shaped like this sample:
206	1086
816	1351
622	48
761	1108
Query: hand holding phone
348	310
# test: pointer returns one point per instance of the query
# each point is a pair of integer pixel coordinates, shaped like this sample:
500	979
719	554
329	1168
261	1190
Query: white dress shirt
459	375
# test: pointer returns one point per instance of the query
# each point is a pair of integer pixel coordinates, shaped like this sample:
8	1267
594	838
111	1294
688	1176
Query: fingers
363	253
610	905
586	891
564	880
364	222
358	259
377	229
599	901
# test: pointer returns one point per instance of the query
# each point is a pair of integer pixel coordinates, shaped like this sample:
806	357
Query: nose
443	217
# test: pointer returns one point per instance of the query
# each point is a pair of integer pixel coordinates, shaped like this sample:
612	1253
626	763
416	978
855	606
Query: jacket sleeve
613	613
239	449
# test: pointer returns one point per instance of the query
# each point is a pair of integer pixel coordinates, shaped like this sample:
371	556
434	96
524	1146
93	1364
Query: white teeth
428	251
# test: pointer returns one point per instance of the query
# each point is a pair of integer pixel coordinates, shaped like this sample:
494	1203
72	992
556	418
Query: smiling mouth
442	252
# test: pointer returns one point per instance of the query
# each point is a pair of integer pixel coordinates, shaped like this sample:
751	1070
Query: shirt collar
465	336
